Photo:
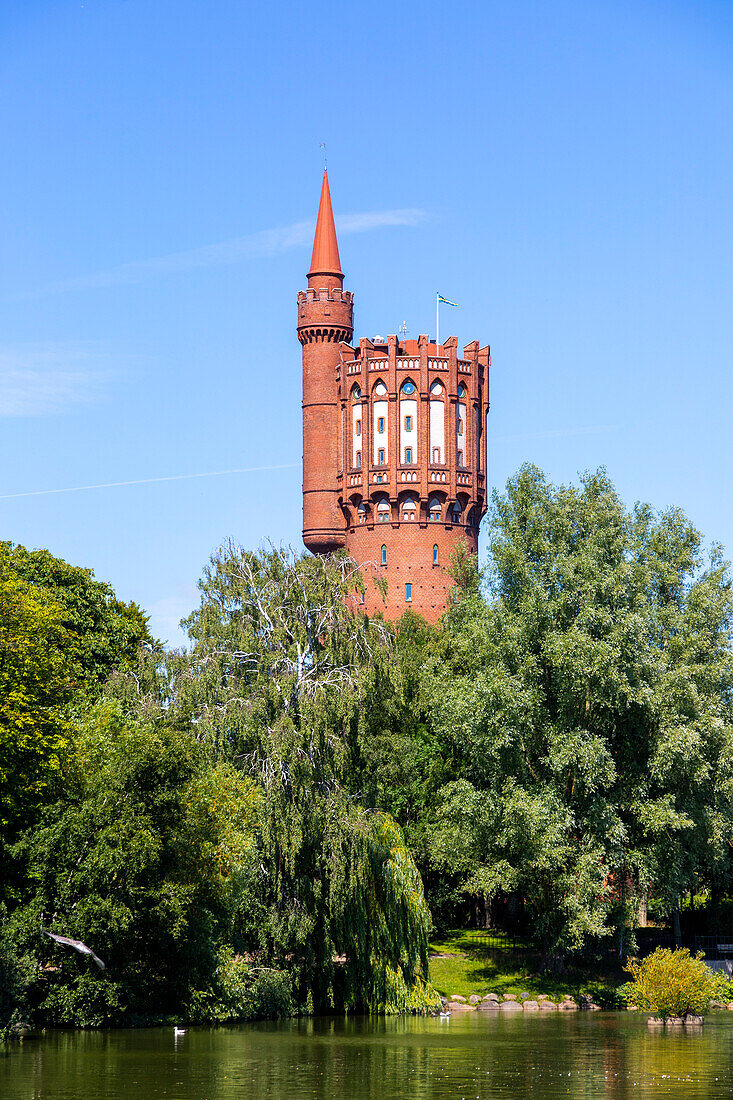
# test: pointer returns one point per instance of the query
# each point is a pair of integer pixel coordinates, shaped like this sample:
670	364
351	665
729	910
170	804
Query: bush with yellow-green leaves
673	983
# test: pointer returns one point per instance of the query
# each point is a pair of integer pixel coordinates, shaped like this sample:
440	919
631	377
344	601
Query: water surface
610	1055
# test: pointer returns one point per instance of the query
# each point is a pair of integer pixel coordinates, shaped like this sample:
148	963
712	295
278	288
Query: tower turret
325	321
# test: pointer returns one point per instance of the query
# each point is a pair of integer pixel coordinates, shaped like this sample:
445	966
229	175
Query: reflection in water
605	1055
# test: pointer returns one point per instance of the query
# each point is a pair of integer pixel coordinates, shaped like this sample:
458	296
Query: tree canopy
585	706
262	822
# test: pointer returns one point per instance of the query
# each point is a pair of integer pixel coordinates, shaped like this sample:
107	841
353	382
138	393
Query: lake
587	1055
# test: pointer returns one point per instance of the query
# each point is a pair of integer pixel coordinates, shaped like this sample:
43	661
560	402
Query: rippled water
471	1056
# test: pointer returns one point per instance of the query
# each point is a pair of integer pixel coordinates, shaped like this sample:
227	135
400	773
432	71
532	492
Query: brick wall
409	560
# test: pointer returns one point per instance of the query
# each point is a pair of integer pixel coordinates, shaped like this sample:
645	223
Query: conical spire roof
325	259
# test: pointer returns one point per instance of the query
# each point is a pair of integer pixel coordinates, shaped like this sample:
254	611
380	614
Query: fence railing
509	943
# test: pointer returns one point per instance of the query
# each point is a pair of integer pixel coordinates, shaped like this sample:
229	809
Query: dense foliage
101	632
585	709
673	983
262	823
34	692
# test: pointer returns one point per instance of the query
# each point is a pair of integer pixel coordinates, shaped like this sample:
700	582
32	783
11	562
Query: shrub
241	991
673	983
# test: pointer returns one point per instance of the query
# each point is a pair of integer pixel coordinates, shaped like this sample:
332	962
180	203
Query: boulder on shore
510	1006
489	1005
461	1006
509	997
568	1005
548	1006
531	1006
473	999
457	997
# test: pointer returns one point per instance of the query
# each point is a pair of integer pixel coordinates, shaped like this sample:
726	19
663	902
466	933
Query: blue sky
563	171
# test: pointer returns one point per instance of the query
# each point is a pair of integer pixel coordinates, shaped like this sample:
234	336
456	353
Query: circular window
408	387
380	389
356	393
436	388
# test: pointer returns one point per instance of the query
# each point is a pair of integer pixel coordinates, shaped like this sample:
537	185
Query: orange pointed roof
325	259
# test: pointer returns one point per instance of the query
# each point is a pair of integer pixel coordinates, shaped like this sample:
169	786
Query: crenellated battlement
324	294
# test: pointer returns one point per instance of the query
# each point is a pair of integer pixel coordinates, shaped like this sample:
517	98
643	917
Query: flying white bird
82	948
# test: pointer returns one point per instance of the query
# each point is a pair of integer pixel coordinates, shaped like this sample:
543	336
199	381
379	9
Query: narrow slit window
460	426
384	555
435	554
380	424
460	458
358	460
380	457
408	593
408	456
436	456
358	427
408	423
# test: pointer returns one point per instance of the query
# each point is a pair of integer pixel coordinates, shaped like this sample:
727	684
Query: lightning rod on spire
325	157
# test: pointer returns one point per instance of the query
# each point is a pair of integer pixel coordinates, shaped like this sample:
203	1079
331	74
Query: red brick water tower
394	443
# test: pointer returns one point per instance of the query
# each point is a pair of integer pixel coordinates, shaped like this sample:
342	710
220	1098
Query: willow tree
279	674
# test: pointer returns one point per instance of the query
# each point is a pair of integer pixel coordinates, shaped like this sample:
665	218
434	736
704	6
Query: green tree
281	674
35	689
102	633
584	709
145	859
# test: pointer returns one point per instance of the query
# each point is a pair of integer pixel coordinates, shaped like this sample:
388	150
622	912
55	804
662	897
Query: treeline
265	822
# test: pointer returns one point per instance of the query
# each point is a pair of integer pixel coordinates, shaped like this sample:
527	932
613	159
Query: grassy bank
462	963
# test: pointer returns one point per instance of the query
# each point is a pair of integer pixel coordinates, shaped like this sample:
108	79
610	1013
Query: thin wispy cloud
41	379
261	245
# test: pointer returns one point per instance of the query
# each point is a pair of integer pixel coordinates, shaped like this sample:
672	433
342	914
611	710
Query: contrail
148	481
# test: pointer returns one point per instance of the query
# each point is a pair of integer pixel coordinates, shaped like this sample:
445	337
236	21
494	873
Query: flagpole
437	322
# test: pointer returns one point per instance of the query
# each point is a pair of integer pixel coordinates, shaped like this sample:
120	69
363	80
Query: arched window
383	512
384	554
455	513
380	423
409	509
435	554
435	510
356	425
361	513
461	390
